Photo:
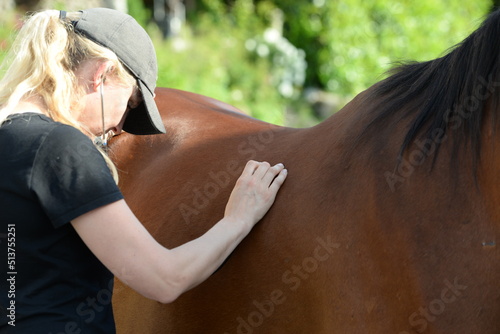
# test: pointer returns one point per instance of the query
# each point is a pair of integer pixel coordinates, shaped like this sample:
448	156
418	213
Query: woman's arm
125	247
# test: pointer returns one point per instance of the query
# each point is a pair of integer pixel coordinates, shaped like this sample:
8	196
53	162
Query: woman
71	77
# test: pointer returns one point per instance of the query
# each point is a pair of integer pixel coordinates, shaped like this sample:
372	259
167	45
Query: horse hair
455	87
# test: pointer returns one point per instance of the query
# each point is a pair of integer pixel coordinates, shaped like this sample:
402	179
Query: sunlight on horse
387	223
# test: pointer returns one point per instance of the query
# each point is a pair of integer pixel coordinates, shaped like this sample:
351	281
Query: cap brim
145	119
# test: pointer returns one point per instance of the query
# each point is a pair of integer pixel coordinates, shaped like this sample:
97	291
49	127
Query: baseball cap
121	33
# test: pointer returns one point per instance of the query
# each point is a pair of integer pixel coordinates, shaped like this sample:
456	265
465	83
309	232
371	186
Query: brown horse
387	222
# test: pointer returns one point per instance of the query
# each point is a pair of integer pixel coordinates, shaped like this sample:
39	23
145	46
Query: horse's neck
489	166
428	166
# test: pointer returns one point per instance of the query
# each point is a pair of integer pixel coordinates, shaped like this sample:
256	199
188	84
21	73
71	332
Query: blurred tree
349	43
260	54
30	5
347	46
496	5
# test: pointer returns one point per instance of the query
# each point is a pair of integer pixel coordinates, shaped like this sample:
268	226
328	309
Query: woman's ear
100	74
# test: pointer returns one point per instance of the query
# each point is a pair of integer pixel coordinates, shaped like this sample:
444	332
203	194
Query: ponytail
42	63
36	66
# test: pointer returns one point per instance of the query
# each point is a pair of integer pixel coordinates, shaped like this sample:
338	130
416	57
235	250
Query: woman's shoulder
33	133
28	124
26	119
35	128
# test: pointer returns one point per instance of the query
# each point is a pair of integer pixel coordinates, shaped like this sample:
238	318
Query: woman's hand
124	246
254	192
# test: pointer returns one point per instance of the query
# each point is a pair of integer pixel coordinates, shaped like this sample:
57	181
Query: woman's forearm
200	258
125	247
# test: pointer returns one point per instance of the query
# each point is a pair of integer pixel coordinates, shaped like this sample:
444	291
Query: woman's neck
33	104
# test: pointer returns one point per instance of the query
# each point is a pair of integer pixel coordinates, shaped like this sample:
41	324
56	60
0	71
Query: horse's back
182	190
340	250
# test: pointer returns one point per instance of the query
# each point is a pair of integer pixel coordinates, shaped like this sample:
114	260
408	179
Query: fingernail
280	164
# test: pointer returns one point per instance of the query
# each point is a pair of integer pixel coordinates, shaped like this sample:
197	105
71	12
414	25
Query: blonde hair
42	62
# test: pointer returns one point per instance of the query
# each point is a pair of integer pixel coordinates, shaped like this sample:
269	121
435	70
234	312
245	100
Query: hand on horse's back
254	192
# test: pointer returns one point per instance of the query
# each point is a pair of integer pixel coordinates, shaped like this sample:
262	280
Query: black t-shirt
50	282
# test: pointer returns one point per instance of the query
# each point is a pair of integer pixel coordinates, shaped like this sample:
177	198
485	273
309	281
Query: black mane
448	93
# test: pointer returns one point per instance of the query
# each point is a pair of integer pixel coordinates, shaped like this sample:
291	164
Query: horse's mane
445	94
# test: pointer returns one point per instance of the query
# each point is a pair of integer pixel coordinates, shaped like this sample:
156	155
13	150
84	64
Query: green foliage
261	55
140	13
350	43
220	55
9	24
342	47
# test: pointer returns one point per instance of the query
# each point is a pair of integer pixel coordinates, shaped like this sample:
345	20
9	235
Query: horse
387	223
